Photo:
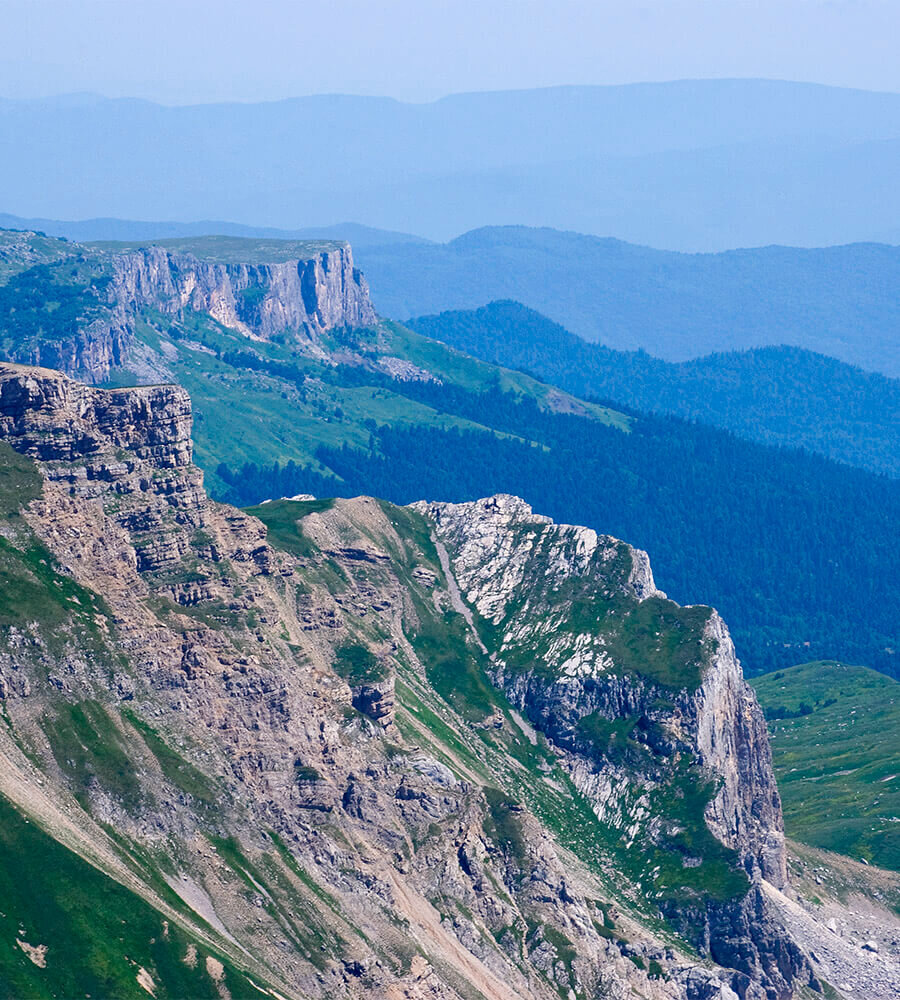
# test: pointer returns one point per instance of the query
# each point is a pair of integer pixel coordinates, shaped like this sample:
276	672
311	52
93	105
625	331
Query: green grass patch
836	752
282	520
98	933
357	664
89	749
180	772
503	827
20	480
230	249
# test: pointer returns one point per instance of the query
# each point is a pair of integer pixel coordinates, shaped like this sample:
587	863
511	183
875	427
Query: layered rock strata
402	837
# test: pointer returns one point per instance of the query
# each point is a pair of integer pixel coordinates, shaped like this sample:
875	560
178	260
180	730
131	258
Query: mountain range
838	301
299	389
688	165
388	731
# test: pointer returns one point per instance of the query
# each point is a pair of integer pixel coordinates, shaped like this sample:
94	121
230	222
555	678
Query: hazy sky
183	51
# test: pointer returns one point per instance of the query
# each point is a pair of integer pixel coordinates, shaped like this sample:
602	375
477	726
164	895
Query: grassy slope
838	765
231	249
98	934
243	415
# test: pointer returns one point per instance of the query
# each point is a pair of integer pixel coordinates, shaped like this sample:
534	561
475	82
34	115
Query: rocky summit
344	749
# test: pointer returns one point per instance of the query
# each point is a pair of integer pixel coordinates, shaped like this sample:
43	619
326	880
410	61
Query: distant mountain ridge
88	230
838	301
292	396
774	395
699	165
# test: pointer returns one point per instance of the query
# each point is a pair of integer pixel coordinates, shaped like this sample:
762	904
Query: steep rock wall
57	419
516	569
307	296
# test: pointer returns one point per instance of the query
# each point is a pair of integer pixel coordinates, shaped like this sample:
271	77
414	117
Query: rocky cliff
345	749
302	297
297	293
640	693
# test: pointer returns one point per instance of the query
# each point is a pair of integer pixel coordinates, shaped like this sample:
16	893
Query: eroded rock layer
447	751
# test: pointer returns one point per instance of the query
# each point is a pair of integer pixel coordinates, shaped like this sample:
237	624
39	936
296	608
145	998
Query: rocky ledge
55	419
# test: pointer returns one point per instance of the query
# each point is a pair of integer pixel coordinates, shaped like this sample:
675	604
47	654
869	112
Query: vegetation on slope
789	547
774	395
835	732
68	930
231	249
49	302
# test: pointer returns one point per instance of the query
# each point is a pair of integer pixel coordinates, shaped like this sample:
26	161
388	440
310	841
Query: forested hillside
774	395
792	548
840	301
782	542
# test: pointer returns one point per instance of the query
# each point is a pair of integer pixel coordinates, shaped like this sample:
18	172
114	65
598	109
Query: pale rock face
493	538
53	418
492	542
535	582
732	741
303	298
259	300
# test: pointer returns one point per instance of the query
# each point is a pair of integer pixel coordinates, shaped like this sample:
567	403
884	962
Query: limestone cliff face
583	643
56	419
90	352
305	297
299	299
526	576
732	741
133	445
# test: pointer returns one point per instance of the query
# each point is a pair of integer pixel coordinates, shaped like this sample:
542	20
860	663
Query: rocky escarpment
87	307
302	297
56	419
636	690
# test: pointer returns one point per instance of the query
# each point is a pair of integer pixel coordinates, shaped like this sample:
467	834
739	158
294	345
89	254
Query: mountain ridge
385	411
236	658
734	162
677	306
778	395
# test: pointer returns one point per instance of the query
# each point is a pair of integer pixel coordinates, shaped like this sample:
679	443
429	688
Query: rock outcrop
261	297
301	297
584	644
56	419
